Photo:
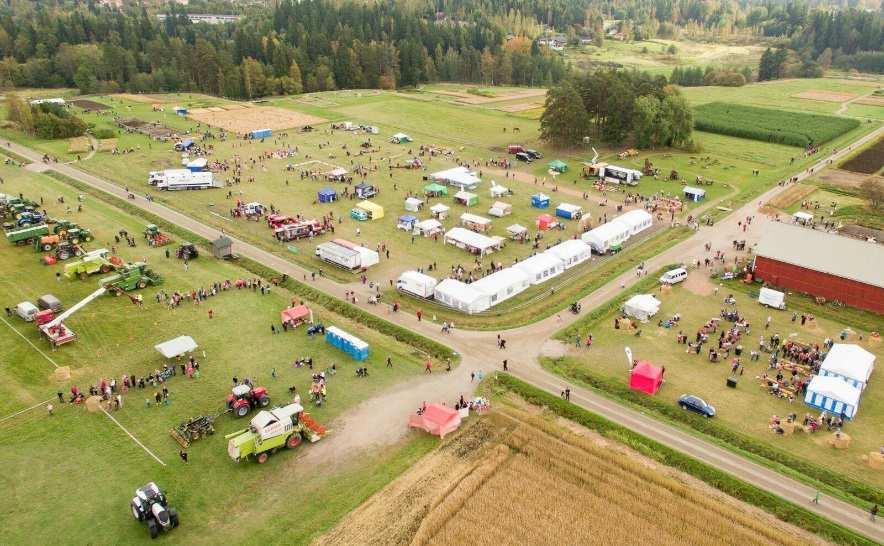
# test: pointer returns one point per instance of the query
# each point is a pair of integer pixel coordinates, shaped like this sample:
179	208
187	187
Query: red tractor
243	398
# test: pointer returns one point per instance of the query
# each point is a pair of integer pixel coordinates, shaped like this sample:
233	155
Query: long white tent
502	285
607	236
461	296
849	362
572	252
834	395
541	267
460	177
470	240
638	220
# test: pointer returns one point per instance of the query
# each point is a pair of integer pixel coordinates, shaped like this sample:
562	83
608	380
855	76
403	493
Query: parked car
522	156
696	404
534	154
674	276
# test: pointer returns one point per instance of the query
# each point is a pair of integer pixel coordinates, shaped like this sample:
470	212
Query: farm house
406	222
500	209
821	264
834	395
638	220
694	194
400	138
413	204
472	242
466	198
474	222
541	267
435	190
502	285
620	175
646	377
517	232
440	211
416	283
850	363
461	296
569	211
641	306
572	252
327	195
428	227
540	201
545	222
608	237
350	344
460	177
557	165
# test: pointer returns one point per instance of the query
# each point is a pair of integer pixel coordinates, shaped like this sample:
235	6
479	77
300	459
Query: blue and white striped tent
849	362
833	395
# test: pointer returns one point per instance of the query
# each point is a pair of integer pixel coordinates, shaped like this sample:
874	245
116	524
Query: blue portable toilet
327	195
540	201
350	344
260	133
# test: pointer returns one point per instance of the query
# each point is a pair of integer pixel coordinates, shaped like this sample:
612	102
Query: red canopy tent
646	377
436	419
545	222
293	316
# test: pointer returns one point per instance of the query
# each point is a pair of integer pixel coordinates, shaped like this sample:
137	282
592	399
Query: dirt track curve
387	412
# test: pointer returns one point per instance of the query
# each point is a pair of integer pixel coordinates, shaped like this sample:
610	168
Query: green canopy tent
558	165
435	190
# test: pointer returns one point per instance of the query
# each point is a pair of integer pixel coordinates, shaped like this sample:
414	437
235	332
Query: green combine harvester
131	277
272	430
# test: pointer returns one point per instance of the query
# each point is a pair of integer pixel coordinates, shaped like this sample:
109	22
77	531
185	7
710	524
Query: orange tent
646	377
436	419
293	316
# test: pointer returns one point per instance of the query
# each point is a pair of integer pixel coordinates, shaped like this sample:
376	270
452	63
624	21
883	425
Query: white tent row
615	232
850	363
472	241
417	283
502	285
461	296
461	177
642	306
638	220
572	252
541	267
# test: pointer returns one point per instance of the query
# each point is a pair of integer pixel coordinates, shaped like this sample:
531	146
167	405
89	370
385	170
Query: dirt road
387	412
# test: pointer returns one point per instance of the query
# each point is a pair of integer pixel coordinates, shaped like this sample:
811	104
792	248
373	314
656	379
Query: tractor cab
151	506
187	251
243	398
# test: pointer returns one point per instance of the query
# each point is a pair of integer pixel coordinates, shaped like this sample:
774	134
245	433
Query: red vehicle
243	398
278	220
515	149
300	230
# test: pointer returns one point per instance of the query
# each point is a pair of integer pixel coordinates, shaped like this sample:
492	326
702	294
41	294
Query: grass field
769	125
747	408
583	489
87	455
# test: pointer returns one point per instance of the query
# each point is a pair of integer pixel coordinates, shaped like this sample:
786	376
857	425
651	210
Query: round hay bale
839	440
62	374
876	461
93	404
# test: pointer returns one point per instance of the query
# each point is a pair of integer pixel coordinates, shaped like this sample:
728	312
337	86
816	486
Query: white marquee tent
428	227
834	395
461	177
642	306
415	282
638	220
471	241
541	267
175	347
849	362
502	285
572	252
461	296
606	236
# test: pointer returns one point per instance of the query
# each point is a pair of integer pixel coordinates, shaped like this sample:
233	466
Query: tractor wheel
153	527
64	255
105	268
293	441
141	284
47	247
89	238
264	401
242	411
84	275
173	517
262	457
136	513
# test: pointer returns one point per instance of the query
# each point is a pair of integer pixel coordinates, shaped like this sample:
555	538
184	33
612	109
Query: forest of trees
614	107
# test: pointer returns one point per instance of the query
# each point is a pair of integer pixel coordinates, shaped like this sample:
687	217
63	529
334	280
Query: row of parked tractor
25	225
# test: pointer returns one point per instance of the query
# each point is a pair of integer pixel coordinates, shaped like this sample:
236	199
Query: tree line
615	107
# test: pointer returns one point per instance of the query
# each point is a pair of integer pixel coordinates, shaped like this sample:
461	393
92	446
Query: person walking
183	455
429	367
816	498
389	362
505	366
873	512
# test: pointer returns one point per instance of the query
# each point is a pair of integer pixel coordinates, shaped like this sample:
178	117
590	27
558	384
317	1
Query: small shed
400	138
428	227
440	211
474	222
466	198
545	222
694	194
517	232
500	209
646	377
569	211
557	165
413	204
327	195
222	247
435	190
540	201
406	222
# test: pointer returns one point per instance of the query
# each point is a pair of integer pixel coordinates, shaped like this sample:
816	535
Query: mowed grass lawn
747	408
84	456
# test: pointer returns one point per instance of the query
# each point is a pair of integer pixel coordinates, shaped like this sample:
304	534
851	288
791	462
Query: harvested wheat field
825	96
241	121
520	107
514	477
871	101
794	193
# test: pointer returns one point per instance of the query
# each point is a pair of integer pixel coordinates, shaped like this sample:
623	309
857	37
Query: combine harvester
130	277
95	261
272	430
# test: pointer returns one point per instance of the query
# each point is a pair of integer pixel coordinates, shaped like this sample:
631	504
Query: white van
674	276
26	310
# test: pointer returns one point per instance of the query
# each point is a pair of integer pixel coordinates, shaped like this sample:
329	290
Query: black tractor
151	505
187	251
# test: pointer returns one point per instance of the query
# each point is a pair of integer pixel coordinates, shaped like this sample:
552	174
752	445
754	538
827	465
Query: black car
534	154
696	404
523	156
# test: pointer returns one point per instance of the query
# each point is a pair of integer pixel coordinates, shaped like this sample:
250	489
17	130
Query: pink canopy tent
293	316
436	419
646	377
545	222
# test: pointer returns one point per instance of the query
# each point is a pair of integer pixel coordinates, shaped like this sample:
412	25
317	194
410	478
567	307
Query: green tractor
272	430
95	261
131	277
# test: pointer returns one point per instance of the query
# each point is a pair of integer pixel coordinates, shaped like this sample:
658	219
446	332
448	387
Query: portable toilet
260	133
540	201
327	195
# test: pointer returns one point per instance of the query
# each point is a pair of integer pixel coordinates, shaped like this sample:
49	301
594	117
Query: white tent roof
540	263
470	238
693	191
465	195
497	190
459	291
458	176
615	230
474	218
501	205
198	163
418	278
635	218
400	136
178	346
769	296
834	388
414	200
439	207
428	224
569	207
516	229
849	360
337	250
338	171
801	215
642	304
501	280
570	249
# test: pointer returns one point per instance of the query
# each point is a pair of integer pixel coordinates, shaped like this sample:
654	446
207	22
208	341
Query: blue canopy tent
183	145
540	201
350	344
327	195
406	222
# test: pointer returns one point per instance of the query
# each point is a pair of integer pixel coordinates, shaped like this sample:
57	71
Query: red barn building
822	264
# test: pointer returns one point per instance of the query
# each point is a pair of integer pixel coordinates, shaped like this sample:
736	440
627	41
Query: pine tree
564	121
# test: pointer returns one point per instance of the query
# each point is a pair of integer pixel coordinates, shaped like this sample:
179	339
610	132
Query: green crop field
88	459
768	125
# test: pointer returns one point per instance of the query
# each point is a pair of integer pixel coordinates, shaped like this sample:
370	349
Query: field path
842	110
382	419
